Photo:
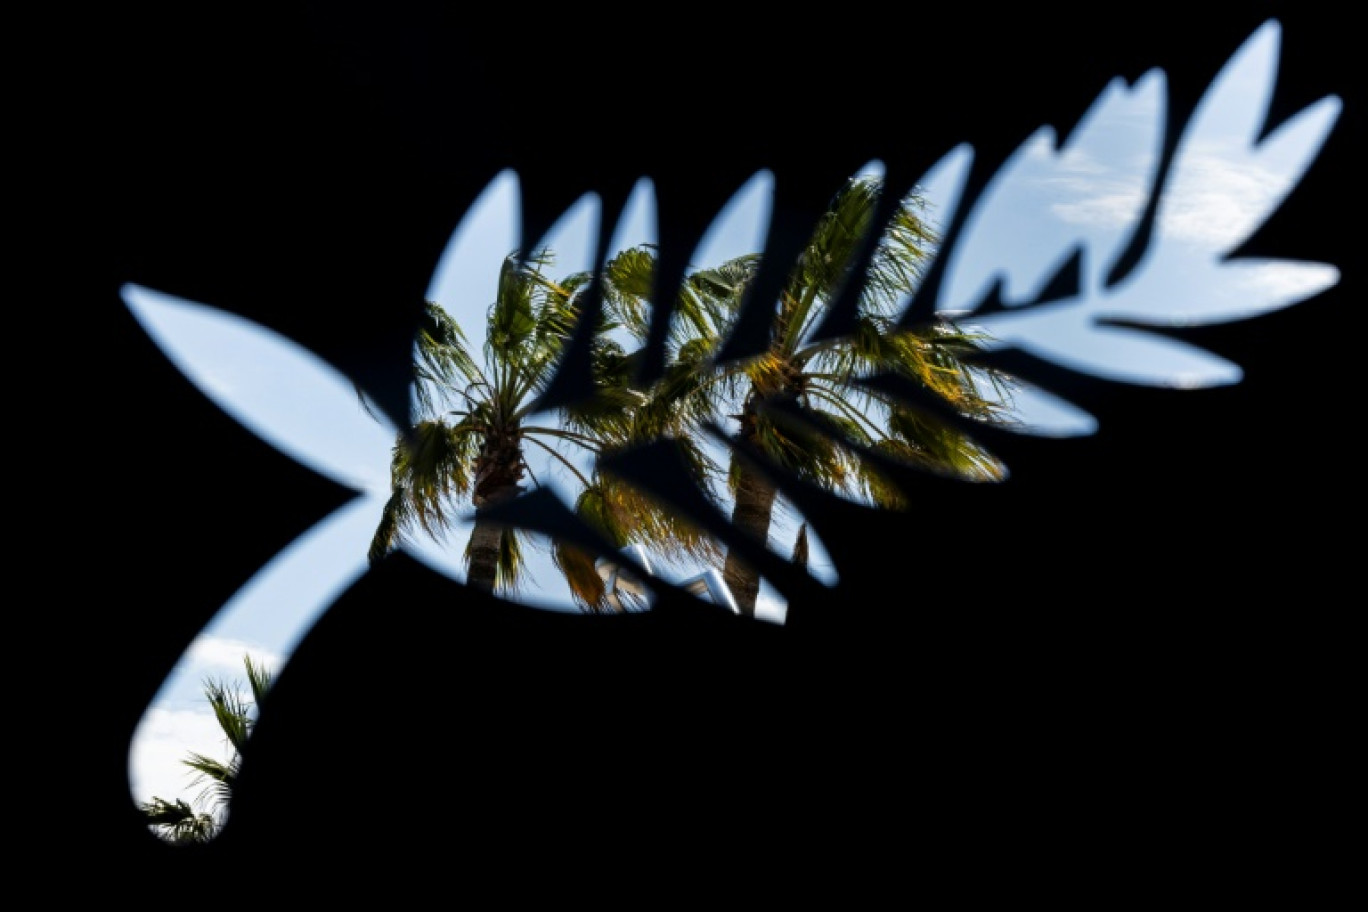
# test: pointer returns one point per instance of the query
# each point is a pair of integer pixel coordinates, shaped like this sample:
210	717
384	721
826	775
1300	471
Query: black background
1126	665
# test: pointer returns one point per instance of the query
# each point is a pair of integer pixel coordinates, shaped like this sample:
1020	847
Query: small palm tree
477	422
833	414
182	822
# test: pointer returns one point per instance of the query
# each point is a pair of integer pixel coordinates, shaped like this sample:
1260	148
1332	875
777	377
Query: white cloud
1104	205
1289	282
223	654
1080	189
1219	190
769	608
181	723
165	738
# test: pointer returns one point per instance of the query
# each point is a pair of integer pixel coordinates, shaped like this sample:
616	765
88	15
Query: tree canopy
803	407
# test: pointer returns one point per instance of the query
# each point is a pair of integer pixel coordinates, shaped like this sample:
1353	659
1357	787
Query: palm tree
478	421
821	379
182	822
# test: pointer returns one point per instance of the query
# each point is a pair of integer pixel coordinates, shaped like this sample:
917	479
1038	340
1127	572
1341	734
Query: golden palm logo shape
1104	324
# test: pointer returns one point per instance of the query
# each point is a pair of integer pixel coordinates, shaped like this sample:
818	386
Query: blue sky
1044	202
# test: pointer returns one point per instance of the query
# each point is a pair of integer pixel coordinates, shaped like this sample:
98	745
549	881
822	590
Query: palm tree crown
478	421
833	414
183	822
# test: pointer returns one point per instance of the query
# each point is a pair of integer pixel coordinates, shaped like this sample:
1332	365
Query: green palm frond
903	253
684	398
475	452
628	288
177	822
598	508
393	517
511	317
431	470
793	448
232	711
581	574
601	506
510	576
875	484
825	265
710	299
443	365
259	679
627	514
217	778
931	443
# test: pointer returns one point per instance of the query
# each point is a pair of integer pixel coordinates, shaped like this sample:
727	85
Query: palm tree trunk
751	514
483	555
497	475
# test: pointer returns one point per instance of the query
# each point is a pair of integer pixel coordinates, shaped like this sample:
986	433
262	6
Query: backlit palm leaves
476	423
479	421
802	406
181	822
799	405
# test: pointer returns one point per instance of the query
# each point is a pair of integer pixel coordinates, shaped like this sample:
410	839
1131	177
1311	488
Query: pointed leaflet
1043	413
1051	200
465	282
277	607
282	392
299	404
1224	182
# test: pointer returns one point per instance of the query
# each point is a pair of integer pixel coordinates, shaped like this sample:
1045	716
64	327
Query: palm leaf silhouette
1101	325
1105	330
